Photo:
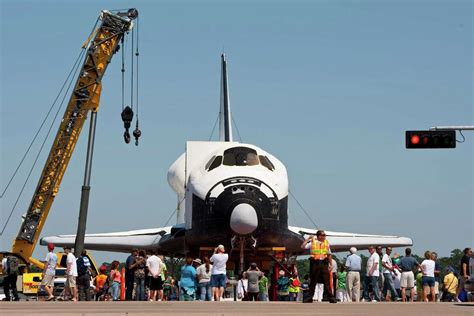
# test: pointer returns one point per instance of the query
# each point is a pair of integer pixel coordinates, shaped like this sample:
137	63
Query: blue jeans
263	297
115	290
388	285
293	296
206	292
374	281
139	289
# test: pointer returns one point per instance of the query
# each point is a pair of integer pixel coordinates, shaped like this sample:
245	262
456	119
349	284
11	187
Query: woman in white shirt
428	280
204	277
242	286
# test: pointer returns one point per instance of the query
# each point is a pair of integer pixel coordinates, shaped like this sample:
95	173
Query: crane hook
137	133
127	117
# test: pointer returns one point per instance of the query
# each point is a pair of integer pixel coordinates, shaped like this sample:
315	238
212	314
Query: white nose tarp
243	219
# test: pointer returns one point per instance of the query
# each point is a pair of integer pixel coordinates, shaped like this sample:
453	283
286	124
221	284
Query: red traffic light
415	139
430	139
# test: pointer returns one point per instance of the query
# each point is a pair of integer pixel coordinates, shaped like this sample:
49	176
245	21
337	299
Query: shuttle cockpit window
214	162
266	162
240	156
209	162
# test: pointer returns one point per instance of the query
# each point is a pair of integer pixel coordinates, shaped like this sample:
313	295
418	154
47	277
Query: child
341	292
100	281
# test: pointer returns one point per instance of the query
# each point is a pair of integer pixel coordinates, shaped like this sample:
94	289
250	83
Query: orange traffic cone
122	286
331	283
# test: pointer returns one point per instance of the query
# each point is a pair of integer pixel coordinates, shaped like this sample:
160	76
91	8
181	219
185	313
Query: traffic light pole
453	128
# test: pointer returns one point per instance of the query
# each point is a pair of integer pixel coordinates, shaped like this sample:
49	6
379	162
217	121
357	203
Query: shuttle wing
117	241
343	241
150	239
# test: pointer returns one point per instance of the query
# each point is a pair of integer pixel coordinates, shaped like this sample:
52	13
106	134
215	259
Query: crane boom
100	47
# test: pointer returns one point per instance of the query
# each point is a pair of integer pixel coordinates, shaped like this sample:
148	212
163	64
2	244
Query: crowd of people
387	278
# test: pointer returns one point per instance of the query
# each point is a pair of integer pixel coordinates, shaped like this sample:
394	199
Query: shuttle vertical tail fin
225	123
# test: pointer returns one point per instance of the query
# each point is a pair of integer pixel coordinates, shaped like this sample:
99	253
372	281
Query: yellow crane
103	42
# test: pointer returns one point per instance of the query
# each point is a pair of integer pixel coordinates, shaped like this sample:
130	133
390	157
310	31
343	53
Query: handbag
246	296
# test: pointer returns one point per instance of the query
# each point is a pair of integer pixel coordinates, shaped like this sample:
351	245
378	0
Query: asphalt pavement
232	308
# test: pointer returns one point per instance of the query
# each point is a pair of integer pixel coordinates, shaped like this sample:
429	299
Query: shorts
156	284
48	280
407	280
70	281
428	281
218	280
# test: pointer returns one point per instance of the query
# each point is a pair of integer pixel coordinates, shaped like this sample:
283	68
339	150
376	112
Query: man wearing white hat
218	276
353	266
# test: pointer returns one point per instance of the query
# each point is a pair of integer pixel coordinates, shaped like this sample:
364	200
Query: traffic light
430	139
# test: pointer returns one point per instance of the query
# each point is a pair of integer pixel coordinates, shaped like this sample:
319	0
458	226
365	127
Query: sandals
50	298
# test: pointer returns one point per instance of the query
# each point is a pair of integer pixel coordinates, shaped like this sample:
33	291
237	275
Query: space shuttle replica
228	193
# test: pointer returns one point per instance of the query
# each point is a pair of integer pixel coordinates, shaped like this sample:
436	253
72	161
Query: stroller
103	293
102	286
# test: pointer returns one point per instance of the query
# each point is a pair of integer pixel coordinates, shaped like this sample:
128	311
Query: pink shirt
116	276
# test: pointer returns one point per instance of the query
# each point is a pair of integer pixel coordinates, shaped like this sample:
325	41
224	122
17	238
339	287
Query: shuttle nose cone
243	219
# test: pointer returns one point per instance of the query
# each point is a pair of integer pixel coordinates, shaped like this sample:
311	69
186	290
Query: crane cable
214	127
123	72
137	132
215	124
79	57
74	70
302	208
171	216
127	111
136	56
236	128
132	61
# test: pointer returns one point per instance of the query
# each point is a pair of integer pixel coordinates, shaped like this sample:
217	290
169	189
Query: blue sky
329	87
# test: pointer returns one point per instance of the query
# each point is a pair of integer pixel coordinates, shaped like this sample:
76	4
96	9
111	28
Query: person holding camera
218	274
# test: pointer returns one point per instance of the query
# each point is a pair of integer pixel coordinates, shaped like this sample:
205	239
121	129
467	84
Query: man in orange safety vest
320	261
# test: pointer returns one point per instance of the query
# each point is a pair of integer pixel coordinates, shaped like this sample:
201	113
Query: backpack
283	284
295	282
12	265
305	286
81	267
